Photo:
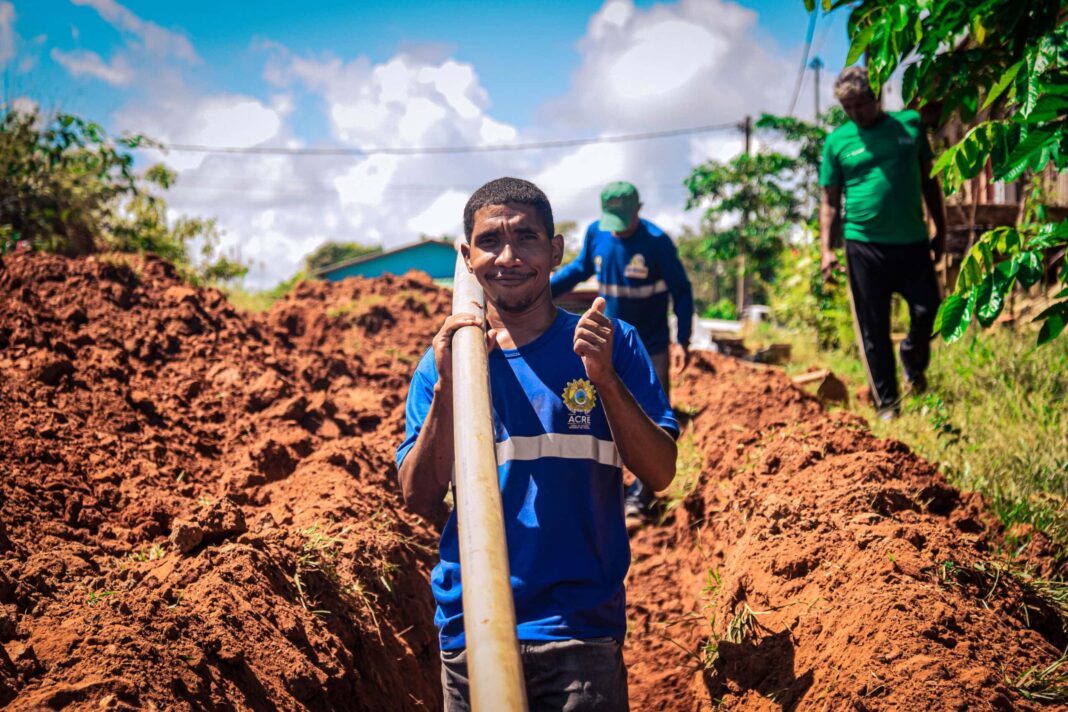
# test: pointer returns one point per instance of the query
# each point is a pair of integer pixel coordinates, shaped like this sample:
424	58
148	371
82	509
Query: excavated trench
198	509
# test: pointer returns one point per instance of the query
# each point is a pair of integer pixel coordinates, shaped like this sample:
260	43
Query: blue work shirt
635	276
561	485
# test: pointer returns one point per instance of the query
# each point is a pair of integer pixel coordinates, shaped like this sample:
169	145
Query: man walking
574	399
637	267
881	163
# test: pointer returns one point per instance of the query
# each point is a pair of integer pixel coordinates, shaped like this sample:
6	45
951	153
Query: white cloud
693	63
365	183
7	33
443	215
582	174
220	120
154	38
85	63
667	66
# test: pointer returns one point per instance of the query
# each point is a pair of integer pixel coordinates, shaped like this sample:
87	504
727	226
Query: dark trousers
560	676
875	273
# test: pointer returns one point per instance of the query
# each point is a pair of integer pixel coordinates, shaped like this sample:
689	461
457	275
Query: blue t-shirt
635	275
561	485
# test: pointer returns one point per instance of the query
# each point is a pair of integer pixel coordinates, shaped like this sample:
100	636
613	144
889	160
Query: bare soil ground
198	510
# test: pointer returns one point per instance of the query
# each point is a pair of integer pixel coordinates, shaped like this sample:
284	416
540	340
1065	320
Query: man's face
632	227
862	109
512	255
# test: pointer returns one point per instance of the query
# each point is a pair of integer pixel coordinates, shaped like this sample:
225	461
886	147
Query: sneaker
634	514
888	414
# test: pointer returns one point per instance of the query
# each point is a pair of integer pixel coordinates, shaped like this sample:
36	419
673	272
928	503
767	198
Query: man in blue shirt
574	399
637	267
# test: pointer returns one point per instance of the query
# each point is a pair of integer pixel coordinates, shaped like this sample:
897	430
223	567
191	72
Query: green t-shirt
878	169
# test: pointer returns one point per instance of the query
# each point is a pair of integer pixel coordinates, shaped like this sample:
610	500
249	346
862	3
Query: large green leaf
1028	267
1049	236
954	315
971	271
991	296
1005	239
1011	157
859	44
1054	320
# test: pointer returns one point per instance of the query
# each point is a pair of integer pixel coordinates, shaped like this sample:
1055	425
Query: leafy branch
1004	62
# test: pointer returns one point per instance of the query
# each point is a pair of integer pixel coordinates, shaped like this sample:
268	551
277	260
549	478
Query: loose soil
198	509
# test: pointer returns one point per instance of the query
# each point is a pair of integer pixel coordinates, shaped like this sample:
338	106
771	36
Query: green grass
255	302
994	420
688	465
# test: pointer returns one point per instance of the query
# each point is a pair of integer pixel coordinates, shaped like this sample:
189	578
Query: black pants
875	273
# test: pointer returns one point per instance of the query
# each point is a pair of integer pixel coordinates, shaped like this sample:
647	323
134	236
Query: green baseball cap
619	205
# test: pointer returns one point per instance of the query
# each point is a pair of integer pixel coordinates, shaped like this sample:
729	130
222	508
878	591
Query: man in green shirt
881	163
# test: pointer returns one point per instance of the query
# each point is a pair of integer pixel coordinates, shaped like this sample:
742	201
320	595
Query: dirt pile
197	510
814	566
196	506
391	317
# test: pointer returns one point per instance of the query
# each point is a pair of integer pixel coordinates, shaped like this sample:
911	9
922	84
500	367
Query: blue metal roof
435	257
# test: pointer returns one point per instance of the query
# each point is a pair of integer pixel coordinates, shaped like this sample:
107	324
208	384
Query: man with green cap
637	268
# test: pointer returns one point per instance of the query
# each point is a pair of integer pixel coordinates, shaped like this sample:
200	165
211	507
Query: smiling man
574	399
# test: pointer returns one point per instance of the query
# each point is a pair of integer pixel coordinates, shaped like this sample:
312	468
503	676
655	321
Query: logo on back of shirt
636	268
580	397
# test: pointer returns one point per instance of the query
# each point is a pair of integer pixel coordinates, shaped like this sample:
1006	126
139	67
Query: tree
66	187
753	202
1006	62
749	204
572	239
331	253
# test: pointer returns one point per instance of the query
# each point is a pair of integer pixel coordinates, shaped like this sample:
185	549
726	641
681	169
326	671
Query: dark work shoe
888	414
634	513
918	385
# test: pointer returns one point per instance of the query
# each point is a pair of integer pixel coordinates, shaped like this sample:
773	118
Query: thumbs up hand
593	342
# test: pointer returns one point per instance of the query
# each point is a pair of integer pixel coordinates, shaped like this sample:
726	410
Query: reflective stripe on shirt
619	290
571	447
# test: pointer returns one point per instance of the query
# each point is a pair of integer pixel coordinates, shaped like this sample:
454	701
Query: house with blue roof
435	257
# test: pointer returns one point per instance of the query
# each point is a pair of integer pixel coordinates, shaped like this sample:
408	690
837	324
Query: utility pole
816	65
747	128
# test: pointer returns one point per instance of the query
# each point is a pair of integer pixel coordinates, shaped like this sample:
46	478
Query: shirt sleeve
420	396
830	171
570	275
635	369
679	287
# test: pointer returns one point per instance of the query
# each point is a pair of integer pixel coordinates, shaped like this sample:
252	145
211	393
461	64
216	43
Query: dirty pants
570	675
875	273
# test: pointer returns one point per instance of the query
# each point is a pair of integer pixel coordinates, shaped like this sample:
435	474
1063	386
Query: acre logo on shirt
636	268
580	397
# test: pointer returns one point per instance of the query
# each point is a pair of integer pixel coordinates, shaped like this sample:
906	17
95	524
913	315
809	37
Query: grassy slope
995	419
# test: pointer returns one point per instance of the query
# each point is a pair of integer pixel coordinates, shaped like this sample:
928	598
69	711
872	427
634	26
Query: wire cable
438	150
804	59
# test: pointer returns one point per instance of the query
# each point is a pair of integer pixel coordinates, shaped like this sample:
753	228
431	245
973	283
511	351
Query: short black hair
508	190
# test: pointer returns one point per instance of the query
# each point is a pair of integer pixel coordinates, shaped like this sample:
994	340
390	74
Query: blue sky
344	73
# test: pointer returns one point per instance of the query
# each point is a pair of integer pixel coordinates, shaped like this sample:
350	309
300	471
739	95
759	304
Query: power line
438	150
804	59
313	190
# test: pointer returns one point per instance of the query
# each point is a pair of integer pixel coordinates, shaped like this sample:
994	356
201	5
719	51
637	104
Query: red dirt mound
393	317
197	511
815	566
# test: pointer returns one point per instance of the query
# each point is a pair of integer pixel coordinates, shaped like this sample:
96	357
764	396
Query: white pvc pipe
494	668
